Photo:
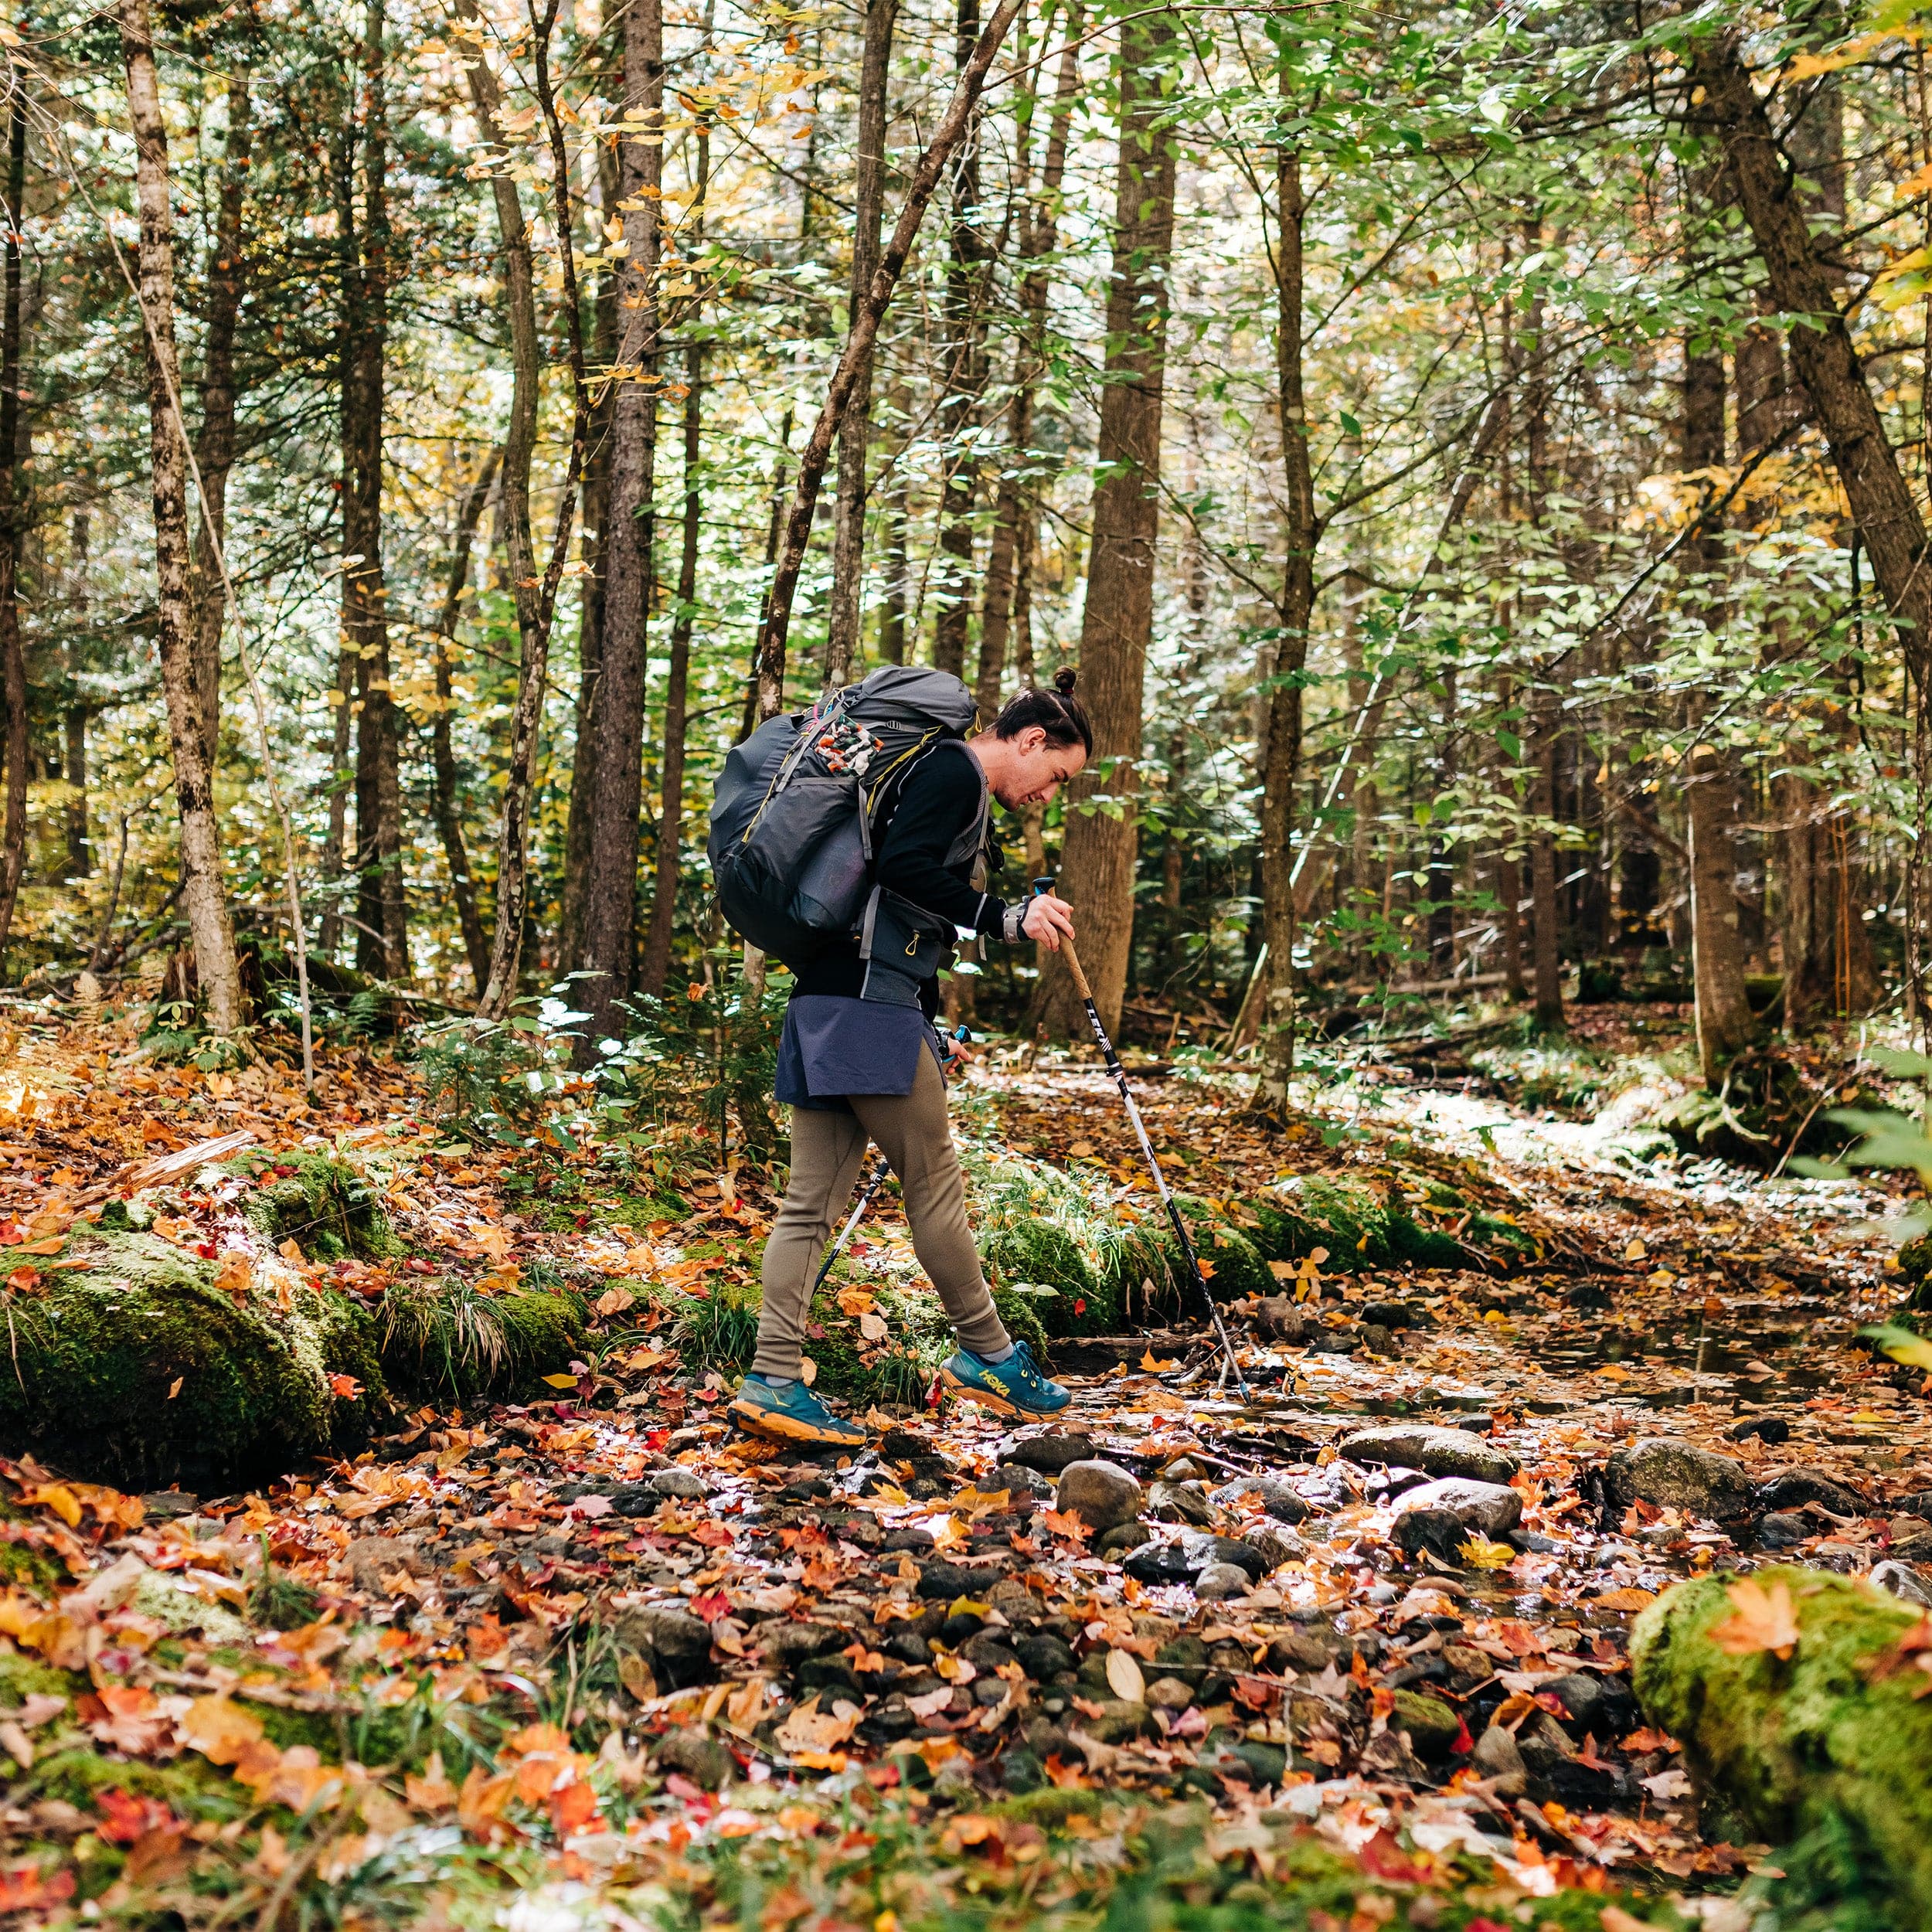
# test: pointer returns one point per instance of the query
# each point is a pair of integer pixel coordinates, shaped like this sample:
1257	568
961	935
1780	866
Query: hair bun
1064	682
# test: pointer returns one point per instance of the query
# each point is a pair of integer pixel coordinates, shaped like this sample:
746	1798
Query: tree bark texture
215	444
382	904
81	862
963	383
611	884
1821	350
13	663
844	612
777	624
1546	928
449	818
1015	517
210	933
512	867
1281	768
1117	625
1724	1022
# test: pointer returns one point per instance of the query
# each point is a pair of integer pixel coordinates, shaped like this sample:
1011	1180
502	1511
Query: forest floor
599	1660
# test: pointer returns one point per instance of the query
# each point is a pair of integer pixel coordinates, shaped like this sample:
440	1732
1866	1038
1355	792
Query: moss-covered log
448	1340
136	1369
325	1207
1826	1747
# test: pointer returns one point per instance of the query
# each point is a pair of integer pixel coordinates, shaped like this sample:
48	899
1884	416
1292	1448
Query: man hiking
860	1059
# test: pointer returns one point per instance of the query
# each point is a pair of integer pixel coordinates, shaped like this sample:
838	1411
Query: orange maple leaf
1760	1620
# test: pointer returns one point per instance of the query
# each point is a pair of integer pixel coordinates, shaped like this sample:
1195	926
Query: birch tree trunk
13	663
212	937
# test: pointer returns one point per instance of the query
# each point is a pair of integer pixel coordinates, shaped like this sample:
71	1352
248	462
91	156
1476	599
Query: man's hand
1048	919
959	1053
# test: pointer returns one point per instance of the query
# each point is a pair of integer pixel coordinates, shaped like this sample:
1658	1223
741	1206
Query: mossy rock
1041	1254
1020	1316
1237	1266
326	1208
137	1370
447	1340
1831	1742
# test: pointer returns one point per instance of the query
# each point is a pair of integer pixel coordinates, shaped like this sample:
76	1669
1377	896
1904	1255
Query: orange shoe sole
761	1422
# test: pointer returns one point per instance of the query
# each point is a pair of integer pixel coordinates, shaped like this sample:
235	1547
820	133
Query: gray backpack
796	804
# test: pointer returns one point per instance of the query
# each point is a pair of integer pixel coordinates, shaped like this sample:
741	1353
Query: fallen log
1800	1699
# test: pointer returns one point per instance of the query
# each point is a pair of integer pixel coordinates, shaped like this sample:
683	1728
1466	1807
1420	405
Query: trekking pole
1119	1075
874	1181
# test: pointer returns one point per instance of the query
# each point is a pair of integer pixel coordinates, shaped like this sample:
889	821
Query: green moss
1044	1254
138	1370
1019	1315
1827	1741
447	1338
188	1785
326	1208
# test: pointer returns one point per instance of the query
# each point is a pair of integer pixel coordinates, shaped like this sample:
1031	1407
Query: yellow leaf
1081	1149
854	1302
235	1274
561	1382
173	1387
1626	1599
57	1497
1760	1620
52	1245
1636	1251
1152	1366
1480	1553
221	1731
1124	1678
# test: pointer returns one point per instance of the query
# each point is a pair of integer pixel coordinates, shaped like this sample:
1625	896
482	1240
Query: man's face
1037	770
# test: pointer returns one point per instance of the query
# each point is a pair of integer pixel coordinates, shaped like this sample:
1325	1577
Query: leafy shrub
499	1080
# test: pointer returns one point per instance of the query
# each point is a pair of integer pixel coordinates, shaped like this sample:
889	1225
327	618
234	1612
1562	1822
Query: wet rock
909	1647
1173	1502
1053	1455
1793	1488
700	1759
1043	1657
1274	1549
1759	1429
786	1646
1491	1507
1170	1694
911	1538
1913	1549
1019	1480
1118	1721
1590	1298
1678	1475
1103	1495
1781	1532
1439	1531
904	1445
1280	1319
1599	1707
1901	1581
634	1499
1432	1725
1185	1652
1499	1758
686	1485
1280	1500
1123	1536
1441	1452
1184	1559
1218	1582
164	1505
1377	1339
1918	1504
940	1583
1394	1315
1312	1647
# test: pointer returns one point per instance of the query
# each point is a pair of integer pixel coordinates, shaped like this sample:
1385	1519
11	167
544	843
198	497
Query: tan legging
827	1150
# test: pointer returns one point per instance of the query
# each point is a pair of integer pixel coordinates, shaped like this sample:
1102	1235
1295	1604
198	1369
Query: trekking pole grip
1042	886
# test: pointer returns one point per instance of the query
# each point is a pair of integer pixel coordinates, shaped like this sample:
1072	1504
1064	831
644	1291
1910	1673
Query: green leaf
1349	424
1900	1344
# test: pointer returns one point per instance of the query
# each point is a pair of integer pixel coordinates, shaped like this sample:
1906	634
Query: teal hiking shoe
791	1412
1014	1387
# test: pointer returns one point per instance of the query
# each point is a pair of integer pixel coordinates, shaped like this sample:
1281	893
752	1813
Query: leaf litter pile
559	1646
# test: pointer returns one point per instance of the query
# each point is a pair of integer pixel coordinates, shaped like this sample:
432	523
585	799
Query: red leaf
711	1607
1382	1858
125	1817
1463	1741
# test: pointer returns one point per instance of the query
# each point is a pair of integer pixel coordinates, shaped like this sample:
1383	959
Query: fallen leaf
1124	1677
1760	1620
1480	1553
1152	1366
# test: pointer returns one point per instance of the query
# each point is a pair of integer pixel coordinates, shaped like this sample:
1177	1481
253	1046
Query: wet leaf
1760	1620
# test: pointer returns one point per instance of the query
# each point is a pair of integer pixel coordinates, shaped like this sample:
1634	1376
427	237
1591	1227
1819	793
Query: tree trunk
963	383
512	871
611	885
596	526
13	663
1117	625
381	905
81	862
777	624
843	610
449	823
1882	502
213	940
1015	519
215	445
1545	936
664	896
1281	767
1724	1023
